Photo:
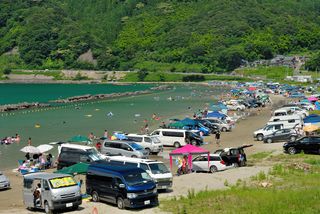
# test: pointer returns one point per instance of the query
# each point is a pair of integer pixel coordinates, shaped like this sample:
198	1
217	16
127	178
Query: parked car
58	191
224	126
71	154
233	156
236	107
200	163
281	135
214	128
124	186
156	169
267	130
150	143
4	181
125	148
306	144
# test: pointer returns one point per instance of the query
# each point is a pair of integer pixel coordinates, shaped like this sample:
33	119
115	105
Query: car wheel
193	142
176	144
269	140
238	109
260	137
120	203
95	196
47	208
148	150
224	129
292	138
292	151
134	156
213	169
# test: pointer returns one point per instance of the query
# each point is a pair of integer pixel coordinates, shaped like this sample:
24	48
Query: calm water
15	93
63	122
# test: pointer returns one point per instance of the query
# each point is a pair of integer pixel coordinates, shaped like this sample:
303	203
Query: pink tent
189	150
252	88
312	99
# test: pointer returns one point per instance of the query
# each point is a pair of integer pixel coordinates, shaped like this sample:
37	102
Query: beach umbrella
30	149
80	139
310	128
79	168
44	148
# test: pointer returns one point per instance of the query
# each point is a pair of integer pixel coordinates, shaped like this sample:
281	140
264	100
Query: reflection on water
128	114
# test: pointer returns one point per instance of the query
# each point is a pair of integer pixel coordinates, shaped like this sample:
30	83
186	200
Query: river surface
61	122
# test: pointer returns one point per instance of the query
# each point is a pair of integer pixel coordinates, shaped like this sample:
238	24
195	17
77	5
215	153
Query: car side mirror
122	186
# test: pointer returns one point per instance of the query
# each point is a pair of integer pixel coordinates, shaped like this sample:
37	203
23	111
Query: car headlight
154	190
131	195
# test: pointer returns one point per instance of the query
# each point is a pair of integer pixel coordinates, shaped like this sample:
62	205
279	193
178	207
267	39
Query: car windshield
94	155
57	183
158	168
155	140
137	178
136	146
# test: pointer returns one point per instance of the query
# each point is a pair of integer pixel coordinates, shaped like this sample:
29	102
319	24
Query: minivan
124	148
57	191
71	154
150	143
156	169
177	137
124	186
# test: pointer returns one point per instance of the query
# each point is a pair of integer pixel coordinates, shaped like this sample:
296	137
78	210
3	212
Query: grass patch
57	75
260	155
295	189
271	72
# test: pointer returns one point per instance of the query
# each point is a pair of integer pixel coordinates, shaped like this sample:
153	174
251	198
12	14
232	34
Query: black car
214	128
234	156
309	144
281	135
193	138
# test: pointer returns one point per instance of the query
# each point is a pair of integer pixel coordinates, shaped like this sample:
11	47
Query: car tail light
222	162
238	157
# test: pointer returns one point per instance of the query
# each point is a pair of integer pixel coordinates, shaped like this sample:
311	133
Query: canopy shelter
30	149
216	114
312	119
79	168
44	148
311	99
80	139
189	150
188	122
176	125
310	128
317	104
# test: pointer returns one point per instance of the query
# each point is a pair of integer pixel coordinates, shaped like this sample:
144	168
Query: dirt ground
11	200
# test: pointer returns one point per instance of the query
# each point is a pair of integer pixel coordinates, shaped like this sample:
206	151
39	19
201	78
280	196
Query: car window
156	133
144	166
147	139
198	158
116	145
214	158
136	139
45	184
277	126
305	140
315	139
125	147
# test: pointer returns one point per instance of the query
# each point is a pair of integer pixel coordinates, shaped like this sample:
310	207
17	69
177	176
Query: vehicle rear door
200	163
28	192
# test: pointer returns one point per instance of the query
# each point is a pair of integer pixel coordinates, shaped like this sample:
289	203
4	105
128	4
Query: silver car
4	181
124	148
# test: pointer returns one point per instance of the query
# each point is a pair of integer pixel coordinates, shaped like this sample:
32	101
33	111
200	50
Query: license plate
164	187
69	205
146	202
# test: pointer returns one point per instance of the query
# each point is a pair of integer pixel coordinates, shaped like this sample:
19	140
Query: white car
236	107
200	163
224	126
4	181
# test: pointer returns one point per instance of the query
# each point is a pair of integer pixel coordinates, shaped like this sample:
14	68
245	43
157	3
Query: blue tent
317	104
188	122
216	114
312	118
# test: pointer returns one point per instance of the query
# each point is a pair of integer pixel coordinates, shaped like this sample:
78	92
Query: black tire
95	196
224	129
213	169
292	138
148	150
260	137
269	140
47	208
194	143
120	203
176	145
292	150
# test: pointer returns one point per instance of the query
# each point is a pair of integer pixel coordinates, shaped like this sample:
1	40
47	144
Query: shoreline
11	200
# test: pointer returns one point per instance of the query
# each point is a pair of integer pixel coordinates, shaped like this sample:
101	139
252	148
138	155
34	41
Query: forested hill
176	35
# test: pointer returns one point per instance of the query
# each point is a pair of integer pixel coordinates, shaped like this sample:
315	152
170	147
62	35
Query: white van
288	124
268	129
150	143
297	110
156	169
171	137
282	112
285	118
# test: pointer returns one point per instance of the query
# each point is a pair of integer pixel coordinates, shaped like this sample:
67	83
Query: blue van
127	187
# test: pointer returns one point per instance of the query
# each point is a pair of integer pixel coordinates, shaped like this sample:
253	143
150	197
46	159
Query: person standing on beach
105	134
218	138
29	141
91	136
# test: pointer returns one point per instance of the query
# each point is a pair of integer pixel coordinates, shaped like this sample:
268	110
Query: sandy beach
11	200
